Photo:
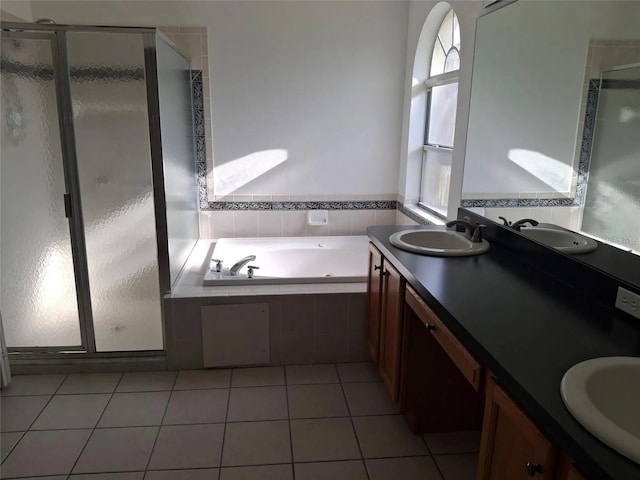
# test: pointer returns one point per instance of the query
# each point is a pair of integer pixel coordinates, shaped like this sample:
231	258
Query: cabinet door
391	329
567	470
438	385
512	447
374	296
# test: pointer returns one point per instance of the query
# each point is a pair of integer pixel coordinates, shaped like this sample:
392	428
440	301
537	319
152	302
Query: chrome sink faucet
516	225
235	268
471	232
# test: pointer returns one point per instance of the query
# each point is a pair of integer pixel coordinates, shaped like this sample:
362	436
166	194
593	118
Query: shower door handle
67	205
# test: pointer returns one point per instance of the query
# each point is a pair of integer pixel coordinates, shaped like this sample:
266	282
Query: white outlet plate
628	302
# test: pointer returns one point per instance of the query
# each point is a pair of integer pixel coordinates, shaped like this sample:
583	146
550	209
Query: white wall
412	136
524	92
17	8
320	81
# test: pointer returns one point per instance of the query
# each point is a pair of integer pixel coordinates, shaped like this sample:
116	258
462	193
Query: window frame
446	78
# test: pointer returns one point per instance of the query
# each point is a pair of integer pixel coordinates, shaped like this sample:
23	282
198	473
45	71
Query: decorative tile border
320	205
197	99
583	166
519	202
205	204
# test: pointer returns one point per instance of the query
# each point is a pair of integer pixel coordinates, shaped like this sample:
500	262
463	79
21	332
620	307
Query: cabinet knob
377	267
532	468
430	326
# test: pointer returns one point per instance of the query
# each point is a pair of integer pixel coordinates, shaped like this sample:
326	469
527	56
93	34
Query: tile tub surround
304	328
308	323
265	423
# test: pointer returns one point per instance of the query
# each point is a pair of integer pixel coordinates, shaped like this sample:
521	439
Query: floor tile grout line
355	432
16	444
115	388
46	404
286	396
426	444
24	433
224	429
166	407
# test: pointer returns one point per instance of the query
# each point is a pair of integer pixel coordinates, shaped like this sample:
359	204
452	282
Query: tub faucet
235	268
471	232
516	225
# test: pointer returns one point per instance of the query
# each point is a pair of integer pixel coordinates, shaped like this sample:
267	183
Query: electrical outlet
628	302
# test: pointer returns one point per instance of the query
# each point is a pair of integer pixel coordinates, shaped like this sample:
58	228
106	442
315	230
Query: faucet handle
218	264
250	269
505	222
477	233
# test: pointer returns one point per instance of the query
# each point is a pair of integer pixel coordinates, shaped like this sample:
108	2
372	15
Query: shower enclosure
92	234
613	189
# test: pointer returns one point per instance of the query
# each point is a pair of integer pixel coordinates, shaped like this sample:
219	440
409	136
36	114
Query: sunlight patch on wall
549	170
230	176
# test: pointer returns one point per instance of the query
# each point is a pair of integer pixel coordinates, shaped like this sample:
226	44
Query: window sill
420	212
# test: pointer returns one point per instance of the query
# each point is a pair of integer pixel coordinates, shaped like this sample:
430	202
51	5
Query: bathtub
286	260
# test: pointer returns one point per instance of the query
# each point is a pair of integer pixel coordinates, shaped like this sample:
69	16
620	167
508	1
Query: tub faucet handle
250	269
218	264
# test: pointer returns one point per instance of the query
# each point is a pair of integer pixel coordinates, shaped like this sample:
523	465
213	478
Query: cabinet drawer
468	365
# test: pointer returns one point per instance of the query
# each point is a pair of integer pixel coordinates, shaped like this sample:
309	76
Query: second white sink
438	243
560	239
603	394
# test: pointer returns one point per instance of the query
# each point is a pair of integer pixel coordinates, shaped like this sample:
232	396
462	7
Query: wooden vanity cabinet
567	470
393	285
512	447
441	380
374	297
384	324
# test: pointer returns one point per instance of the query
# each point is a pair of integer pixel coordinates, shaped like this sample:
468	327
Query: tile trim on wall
307	205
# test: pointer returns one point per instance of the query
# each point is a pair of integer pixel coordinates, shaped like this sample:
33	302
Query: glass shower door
37	282
613	189
111	123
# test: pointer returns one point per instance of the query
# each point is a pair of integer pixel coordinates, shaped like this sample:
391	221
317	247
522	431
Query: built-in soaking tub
286	260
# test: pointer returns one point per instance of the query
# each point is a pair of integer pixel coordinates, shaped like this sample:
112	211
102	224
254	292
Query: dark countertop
528	328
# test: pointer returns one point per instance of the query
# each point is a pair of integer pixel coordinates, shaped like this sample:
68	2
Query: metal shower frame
57	36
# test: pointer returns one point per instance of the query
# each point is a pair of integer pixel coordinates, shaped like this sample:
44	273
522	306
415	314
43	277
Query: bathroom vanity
484	341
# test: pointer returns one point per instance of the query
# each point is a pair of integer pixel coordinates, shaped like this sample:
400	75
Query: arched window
446	51
442	102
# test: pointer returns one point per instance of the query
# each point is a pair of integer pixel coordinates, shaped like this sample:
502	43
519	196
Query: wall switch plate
628	302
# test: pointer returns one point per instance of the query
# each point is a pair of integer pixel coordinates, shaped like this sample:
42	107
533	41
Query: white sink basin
563	240
439	243
603	394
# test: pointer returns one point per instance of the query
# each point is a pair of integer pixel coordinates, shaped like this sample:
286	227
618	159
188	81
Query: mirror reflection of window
442	101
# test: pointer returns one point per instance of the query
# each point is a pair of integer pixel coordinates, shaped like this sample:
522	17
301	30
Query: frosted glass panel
613	191
436	178
114	162
442	115
38	300
176	119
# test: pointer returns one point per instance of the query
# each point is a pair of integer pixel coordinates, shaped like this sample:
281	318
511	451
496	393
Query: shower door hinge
67	205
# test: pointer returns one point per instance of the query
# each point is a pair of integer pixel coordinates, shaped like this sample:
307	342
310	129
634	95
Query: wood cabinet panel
374	297
468	365
512	447
391	329
567	470
435	395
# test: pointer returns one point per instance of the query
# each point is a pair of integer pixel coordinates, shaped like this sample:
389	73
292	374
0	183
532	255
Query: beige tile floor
303	422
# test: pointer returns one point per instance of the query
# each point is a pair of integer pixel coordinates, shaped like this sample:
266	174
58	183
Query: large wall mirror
554	123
